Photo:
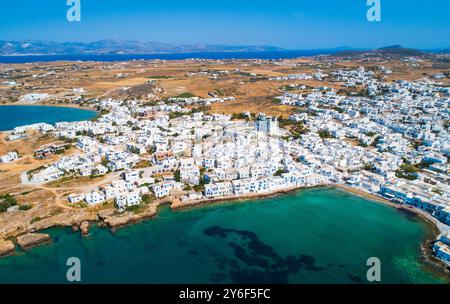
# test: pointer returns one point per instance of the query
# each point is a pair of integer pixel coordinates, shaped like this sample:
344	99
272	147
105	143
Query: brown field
254	94
170	79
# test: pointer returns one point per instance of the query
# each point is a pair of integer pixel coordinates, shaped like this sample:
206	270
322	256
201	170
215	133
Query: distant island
134	47
196	132
112	47
392	50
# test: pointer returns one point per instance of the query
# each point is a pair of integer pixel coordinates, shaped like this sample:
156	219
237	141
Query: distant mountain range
112	47
392	50
101	47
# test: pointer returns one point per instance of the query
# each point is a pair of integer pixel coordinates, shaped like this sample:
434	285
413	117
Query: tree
279	172
7	201
177	176
324	134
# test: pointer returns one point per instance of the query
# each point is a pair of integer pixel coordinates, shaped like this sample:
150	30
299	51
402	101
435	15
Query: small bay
322	235
12	116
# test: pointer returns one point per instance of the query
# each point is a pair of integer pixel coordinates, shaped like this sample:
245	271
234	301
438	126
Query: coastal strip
30	240
6	248
51	105
178	205
110	219
434	227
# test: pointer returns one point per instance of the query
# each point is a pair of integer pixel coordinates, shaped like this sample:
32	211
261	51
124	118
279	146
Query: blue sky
292	24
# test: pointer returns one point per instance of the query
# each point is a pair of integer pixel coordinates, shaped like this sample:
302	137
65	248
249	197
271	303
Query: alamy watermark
374	11
374	271
73	274
74	11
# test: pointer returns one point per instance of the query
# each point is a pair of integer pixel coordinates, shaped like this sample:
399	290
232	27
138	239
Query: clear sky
292	24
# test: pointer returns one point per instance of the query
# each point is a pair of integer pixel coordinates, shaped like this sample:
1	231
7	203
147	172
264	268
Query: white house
94	198
75	198
160	190
11	156
219	189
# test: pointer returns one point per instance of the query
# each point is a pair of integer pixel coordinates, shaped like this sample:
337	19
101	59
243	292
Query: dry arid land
141	91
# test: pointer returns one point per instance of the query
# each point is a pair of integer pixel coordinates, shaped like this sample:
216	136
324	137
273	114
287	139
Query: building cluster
392	141
34	97
194	156
199	101
130	189
442	248
303	76
9	157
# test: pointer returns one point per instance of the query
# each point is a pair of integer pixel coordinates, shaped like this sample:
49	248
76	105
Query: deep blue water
178	56
14	116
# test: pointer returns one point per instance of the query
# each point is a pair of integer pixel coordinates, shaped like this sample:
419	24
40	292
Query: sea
12	116
320	235
267	55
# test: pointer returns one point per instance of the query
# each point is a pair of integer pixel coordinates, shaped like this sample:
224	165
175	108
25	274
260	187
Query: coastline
433	229
59	105
109	219
432	232
172	56
178	205
66	106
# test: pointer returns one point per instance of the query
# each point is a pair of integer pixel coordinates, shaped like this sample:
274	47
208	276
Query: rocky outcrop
30	240
117	221
13	224
84	227
122	220
104	214
6	247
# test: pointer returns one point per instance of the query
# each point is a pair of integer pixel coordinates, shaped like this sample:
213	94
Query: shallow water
14	116
311	236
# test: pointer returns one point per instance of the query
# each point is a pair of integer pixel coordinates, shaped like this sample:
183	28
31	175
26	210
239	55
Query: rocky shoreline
84	227
427	247
178	205
6	248
108	218
30	240
116	221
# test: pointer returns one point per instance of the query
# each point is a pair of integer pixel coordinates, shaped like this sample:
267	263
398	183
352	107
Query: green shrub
7	201
35	219
25	207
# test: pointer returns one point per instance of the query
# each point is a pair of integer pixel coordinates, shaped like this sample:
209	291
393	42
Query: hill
37	47
393	50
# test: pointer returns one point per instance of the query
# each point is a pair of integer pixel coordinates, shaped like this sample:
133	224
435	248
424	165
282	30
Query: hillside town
391	141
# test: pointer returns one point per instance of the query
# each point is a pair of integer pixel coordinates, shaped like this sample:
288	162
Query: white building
267	124
94	198
11	156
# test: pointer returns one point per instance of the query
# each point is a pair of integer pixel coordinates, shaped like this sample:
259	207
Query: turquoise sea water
311	236
13	116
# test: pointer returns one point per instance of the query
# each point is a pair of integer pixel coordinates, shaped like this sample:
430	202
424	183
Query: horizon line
360	48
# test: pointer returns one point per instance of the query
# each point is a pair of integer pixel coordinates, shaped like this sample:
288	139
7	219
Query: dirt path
59	191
